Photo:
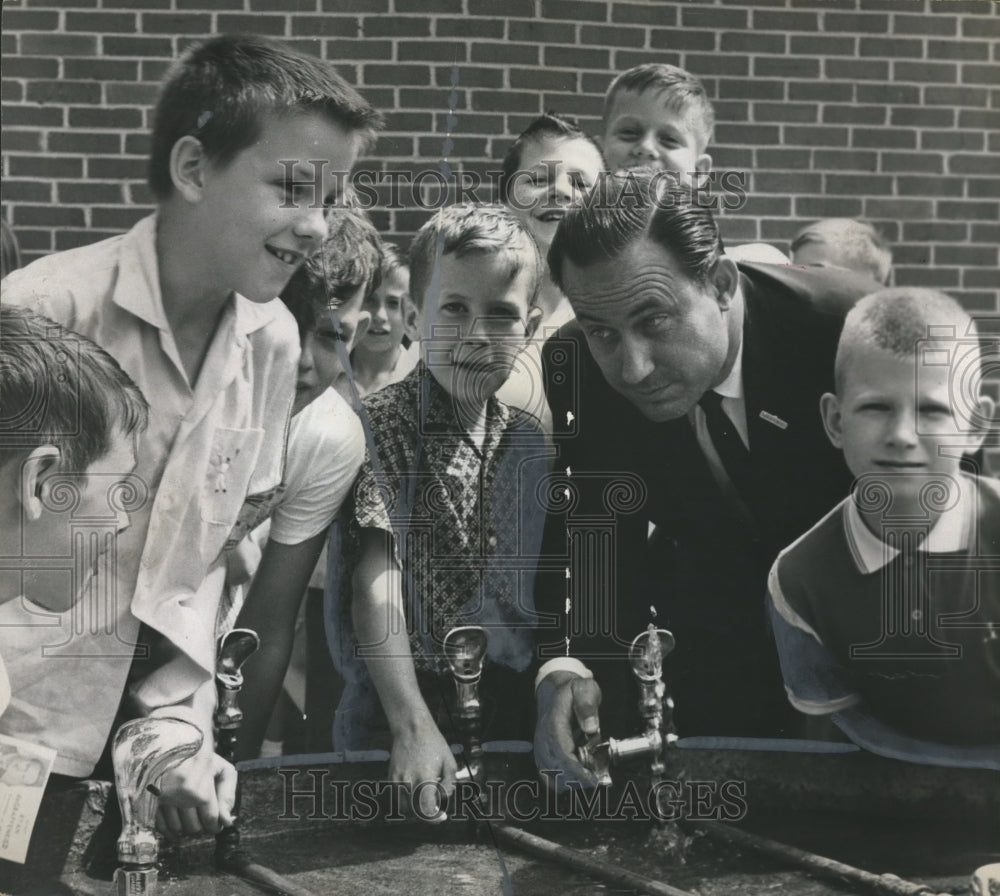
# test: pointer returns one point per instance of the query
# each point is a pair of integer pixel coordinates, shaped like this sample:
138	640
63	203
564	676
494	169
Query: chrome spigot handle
144	750
465	651
235	648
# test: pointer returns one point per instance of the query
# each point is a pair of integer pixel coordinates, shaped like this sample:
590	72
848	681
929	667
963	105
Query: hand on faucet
197	796
567	709
420	754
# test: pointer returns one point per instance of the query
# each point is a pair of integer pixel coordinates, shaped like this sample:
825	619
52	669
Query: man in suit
693	384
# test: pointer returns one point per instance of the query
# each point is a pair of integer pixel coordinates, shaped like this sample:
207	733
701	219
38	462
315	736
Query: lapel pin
773	419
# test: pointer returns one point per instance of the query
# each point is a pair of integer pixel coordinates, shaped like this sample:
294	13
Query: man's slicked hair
221	90
468	229
59	388
623	209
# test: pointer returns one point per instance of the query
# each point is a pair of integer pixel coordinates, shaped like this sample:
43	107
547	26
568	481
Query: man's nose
305	356
563	188
636	361
311	223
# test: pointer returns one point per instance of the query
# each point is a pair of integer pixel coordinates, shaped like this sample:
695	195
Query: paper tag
24	772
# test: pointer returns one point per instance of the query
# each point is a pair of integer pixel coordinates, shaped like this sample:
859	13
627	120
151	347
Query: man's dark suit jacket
705	569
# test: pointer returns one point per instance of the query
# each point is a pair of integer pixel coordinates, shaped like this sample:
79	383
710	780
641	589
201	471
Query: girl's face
388	307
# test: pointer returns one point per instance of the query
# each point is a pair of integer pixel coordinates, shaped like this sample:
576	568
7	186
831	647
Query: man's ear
534	320
726	278
704	163
33	470
187	167
411	321
982	423
829	409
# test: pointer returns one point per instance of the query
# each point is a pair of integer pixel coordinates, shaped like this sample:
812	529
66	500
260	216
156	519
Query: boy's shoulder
813	552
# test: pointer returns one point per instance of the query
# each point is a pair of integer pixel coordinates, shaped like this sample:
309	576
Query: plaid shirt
466	521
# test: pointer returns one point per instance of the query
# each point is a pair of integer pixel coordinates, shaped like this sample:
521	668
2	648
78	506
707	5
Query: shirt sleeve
815	682
325	451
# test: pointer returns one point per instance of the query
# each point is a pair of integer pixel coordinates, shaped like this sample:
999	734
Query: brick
892	47
11	91
732	110
834	114
40	240
84	142
31	67
9	44
815	136
994	142
958	141
821	91
930	186
430	146
132	94
955	49
32	190
433	51
752	90
505	54
981	7
747	134
982	278
823	45
522	9
130	4
478	76
410	122
885	138
922	72
464	27
938	25
506	101
890	94
21	141
48	216
425	7
31	116
612	36
626	59
778	230
738	229
115	168
860	23
342	48
976	302
893	5
54	92
44	166
580	107
966	256
73	239
934	232
399	74
796	112
940	278
956	96
105	117
574	10
153	69
747	42
969	210
102	22
988	27
907	161
545	79
138	144
594	82
644	14
987	119
470	122
787	182
771	158
827	207
983	188
858	184
738	158
677	39
345	26
979	74
293	7
209	4
575	57
232	23
59	44
100	69
898	209
716	64
29	19
916	117
784	21
856	69
540	32
758	205
970	164
138	46
713	17
119	218
90	193
354	6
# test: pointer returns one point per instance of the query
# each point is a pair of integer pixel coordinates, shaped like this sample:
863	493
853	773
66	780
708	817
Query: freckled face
660	339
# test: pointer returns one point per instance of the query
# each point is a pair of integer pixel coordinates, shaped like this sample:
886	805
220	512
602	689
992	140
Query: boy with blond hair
884	616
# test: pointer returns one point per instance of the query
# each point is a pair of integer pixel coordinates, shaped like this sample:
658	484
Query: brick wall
883	109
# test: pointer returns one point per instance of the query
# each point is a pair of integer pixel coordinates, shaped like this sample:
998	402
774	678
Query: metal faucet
656	708
465	651
144	751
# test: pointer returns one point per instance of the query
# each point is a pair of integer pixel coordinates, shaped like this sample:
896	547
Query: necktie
732	452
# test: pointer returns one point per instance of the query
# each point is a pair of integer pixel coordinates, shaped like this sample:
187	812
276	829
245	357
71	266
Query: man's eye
453	308
601	334
392	304
657	324
628	135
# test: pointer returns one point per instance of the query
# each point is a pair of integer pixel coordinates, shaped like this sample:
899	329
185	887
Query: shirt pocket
231	461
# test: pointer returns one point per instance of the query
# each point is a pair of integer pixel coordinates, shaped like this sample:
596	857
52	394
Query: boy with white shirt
883	617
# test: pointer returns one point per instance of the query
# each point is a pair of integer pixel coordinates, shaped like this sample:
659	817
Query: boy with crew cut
68	438
251	140
844	243
658	116
446	521
884	616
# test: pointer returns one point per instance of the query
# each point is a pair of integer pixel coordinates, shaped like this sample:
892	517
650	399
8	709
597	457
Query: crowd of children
390	456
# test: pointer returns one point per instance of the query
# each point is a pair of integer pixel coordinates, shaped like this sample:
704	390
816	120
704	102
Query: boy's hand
198	796
242	562
421	754
566	703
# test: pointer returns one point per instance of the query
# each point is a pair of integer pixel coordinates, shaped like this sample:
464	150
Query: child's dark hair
393	258
58	388
468	229
351	257
683	92
549	126
221	90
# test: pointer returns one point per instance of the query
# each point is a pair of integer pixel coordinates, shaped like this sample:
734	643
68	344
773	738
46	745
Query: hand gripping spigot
144	751
465	651
646	655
